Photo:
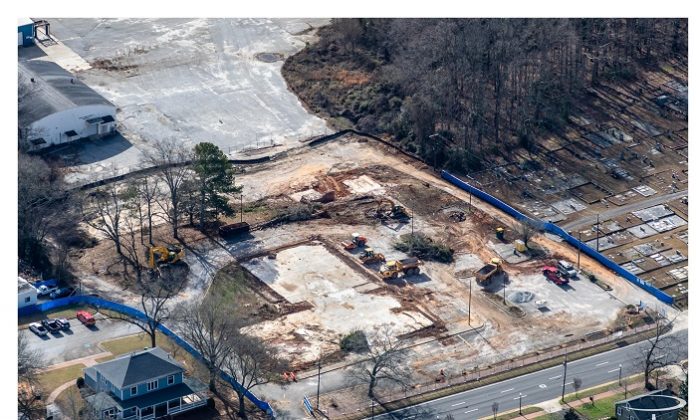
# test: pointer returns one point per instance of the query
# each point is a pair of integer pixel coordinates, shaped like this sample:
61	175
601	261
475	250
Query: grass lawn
232	284
140	341
570	396
52	379
604	407
514	414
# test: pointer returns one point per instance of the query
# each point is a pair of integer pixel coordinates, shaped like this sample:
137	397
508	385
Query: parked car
38	329
567	269
44	290
62	292
51	325
86	318
63	323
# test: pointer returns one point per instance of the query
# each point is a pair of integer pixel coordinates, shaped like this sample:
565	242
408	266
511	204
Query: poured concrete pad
339	296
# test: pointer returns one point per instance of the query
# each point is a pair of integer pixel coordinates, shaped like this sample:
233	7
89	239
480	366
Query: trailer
234	229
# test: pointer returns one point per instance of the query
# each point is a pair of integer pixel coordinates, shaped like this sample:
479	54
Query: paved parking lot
79	341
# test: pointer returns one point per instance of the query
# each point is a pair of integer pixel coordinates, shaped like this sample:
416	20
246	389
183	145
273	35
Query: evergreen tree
215	181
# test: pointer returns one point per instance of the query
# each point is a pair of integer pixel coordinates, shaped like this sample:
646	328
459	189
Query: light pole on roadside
241	208
469	301
597	231
619	374
565	370
520	403
318	382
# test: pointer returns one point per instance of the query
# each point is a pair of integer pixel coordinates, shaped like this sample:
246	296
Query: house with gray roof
144	385
56	108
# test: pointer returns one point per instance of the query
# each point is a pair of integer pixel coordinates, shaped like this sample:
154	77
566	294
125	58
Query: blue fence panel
135	313
556	230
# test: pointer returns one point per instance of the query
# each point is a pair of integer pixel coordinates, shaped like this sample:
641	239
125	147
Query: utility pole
520	403
579	240
318	382
565	370
241	208
469	301
597	232
504	299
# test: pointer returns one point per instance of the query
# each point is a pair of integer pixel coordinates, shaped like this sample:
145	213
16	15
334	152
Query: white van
567	269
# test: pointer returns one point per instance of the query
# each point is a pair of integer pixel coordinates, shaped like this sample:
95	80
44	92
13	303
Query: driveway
79	341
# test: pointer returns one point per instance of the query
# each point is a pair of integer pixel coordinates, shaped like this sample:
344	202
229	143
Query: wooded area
457	91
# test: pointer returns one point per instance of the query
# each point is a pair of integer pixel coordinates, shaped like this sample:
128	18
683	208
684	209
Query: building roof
24	21
46	88
138	367
23	285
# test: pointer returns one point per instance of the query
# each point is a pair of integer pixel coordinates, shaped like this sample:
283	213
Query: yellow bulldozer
369	256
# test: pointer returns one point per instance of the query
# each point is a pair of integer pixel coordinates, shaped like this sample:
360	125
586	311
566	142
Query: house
56	108
25	32
148	384
659	404
26	293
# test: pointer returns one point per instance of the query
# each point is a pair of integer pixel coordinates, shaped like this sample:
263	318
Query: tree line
454	90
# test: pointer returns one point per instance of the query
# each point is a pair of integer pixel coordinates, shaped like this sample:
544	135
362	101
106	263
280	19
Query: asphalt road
534	388
608	214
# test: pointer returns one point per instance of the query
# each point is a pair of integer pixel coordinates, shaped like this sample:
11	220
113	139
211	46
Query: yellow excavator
167	261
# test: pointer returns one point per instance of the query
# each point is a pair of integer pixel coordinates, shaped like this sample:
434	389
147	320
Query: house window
152	385
134	390
27	299
170	379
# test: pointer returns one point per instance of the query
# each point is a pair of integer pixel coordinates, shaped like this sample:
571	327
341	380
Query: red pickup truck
86	318
551	273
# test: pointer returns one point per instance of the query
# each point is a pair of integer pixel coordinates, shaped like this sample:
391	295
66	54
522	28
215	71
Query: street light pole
318	382
619	374
520	403
597	229
565	370
241	208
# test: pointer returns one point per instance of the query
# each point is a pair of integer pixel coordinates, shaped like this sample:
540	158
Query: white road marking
507	390
569	383
555	377
517	398
459	403
613	370
603	363
542	385
471	411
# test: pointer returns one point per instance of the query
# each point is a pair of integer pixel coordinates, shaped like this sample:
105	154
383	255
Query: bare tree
170	159
209	326
661	350
386	362
102	211
150	192
156	295
29	364
528	229
251	363
577	383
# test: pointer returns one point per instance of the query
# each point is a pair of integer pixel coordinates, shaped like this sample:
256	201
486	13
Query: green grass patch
234	285
613	386
423	247
603	407
52	379
516	413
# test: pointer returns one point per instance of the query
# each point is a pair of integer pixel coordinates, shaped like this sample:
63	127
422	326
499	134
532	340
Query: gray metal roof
53	89
138	367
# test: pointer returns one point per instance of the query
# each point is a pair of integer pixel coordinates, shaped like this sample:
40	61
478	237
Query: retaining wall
134	313
556	230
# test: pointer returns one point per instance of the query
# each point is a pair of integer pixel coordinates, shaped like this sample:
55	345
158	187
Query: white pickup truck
567	269
44	290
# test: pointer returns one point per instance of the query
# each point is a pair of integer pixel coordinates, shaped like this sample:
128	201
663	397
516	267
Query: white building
56	108
26	293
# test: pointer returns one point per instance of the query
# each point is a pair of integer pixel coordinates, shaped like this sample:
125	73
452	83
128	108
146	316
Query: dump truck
407	267
488	271
369	256
357	241
233	229
551	274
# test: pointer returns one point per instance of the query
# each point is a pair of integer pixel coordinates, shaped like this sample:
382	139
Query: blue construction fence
134	313
556	230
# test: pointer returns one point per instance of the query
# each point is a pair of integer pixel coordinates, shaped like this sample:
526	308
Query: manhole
521	297
269	57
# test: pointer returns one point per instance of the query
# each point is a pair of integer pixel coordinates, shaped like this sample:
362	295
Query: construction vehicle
357	241
232	229
159	256
388	209
488	271
551	274
369	256
500	233
407	267
566	269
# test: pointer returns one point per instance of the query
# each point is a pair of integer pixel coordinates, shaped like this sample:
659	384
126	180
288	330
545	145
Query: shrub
355	342
80	382
423	247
